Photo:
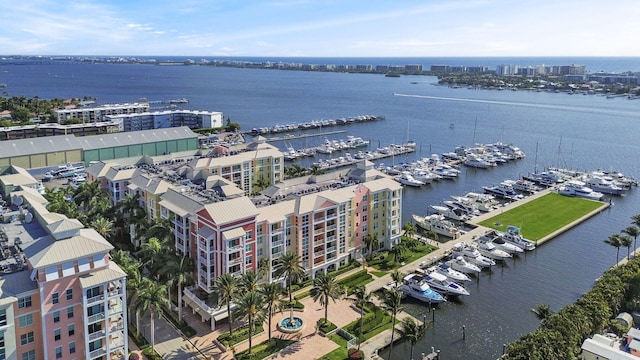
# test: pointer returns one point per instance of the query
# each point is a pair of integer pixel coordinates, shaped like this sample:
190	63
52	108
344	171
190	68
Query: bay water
582	132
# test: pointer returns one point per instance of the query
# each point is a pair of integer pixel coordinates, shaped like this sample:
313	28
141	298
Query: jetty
381	153
315	124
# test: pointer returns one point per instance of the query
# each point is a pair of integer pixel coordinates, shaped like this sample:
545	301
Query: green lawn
379	274
383	262
540	217
264	349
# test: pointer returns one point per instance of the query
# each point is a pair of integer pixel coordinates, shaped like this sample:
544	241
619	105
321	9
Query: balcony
115	309
95	318
97	335
115	292
235	261
95	299
97	353
235	248
117	326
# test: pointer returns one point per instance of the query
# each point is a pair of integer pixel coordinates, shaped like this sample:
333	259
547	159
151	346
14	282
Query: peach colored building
60	295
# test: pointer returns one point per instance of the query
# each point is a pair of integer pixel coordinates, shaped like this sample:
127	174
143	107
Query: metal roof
135	137
47	251
231	210
41	145
111	273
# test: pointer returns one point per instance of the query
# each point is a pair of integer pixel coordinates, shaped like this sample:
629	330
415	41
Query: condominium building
60	295
166	119
99	113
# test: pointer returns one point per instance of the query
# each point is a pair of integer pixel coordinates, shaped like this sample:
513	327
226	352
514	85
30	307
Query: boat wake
521	104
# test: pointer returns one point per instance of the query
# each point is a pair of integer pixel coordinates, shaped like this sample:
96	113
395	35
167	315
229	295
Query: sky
308	28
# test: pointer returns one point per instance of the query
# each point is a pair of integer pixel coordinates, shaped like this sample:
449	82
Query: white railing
97	353
96	298
95	318
96	335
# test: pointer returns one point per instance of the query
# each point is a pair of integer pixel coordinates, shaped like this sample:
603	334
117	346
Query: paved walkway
169	343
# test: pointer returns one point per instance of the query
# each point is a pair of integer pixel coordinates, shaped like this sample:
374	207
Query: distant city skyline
306	28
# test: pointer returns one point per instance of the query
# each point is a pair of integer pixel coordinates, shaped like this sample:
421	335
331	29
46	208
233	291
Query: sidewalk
169	343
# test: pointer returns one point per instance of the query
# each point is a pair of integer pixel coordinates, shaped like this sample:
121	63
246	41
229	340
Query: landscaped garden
264	349
400	254
541	217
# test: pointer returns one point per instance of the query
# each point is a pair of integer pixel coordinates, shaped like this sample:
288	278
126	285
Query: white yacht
478	162
484	202
445	171
406	179
603	185
524	185
355	141
489	249
513	235
503	191
471	254
438	224
578	189
415	286
496	239
448	271
469	209
441	284
453	214
463	266
424	176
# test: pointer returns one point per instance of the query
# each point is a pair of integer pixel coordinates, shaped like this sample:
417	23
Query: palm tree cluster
23	108
247	300
561	333
624	238
295	170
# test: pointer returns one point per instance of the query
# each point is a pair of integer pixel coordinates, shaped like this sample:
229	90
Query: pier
303	136
315	124
390	151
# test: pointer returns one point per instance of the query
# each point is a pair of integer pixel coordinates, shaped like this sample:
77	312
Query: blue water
583	132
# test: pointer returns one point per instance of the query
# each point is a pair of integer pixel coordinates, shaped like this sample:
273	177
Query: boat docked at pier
438	224
503	191
407	179
471	254
513	236
448	271
490	250
579	189
484	202
496	239
478	162
602	184
443	285
524	186
449	213
460	264
415	286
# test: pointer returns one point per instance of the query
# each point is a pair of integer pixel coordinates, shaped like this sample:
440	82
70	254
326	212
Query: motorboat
524	185
415	286
443	285
463	266
445	171
471	254
497	240
469	209
448	271
603	185
513	236
484	202
406	179
478	162
453	214
544	178
490	250
503	191
356	141
579	189
424	176
438	224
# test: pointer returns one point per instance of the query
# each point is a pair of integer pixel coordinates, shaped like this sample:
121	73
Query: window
72	347
25	320
56	334
29	355
24	302
72	329
26	338
55	298
59	352
69	313
3	317
69	294
56	316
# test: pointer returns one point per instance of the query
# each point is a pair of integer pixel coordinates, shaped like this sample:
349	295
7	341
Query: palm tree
152	297
160	228
361	298
225	289
153	253
272	298
398	252
625	240
289	267
264	267
412	331
249	307
104	227
634	232
392	302
542	311
614	240
409	229
249	281
370	241
397	276
180	270
325	288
